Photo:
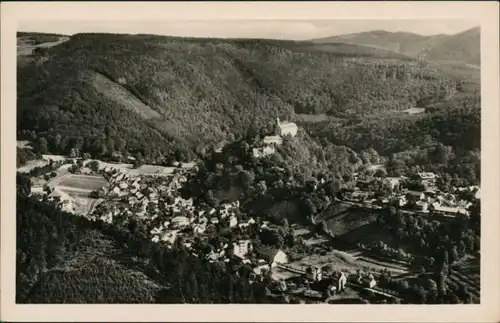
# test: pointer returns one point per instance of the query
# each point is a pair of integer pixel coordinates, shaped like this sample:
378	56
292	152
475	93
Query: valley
244	170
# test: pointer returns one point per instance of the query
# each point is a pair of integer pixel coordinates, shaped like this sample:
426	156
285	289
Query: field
350	226
31	164
82	182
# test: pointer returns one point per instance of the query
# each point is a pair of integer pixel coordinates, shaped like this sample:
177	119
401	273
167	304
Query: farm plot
78	185
82	182
337	259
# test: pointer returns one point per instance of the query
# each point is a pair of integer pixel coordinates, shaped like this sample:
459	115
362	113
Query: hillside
461	47
157	96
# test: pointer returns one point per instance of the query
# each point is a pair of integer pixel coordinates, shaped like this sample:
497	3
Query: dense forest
446	141
158	96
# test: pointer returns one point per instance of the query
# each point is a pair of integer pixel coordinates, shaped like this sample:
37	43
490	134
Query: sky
276	29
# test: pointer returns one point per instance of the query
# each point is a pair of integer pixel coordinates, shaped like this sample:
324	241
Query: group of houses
314	282
139	195
427	199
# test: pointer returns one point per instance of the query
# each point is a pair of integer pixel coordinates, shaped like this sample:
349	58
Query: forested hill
158	96
464	46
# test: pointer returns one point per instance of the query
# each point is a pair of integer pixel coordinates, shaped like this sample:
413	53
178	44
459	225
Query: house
287	128
341	282
215	255
36	190
427	178
368	281
401	200
337	283
447	210
273	256
262	152
233	221
261	267
180	222
200	229
123	185
155	231
170	236
394	182
314	273
272	140
58	194
422	205
242	248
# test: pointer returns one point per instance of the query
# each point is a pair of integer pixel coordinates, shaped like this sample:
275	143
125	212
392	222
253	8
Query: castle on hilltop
287	128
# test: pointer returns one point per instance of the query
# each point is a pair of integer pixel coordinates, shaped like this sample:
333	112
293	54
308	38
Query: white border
485	12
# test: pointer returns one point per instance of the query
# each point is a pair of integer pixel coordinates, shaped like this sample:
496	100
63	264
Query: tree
381	172
444	264
93	165
432	290
461	249
284	225
43	147
453	254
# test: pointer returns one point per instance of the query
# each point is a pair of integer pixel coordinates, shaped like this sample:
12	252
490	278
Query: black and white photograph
321	161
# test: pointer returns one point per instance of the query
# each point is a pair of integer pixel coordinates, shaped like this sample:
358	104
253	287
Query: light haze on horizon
271	29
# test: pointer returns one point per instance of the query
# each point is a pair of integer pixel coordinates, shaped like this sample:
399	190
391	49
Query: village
119	194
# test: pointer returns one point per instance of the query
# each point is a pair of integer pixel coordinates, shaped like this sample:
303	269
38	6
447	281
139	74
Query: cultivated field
82	182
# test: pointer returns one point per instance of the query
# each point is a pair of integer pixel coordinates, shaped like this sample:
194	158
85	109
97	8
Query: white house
180	222
273	256
200	229
242	248
170	236
270	140
233	221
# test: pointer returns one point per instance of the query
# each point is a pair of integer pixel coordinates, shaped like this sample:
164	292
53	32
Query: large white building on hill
287	128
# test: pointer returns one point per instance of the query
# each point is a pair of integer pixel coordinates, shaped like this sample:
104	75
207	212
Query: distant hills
463	47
